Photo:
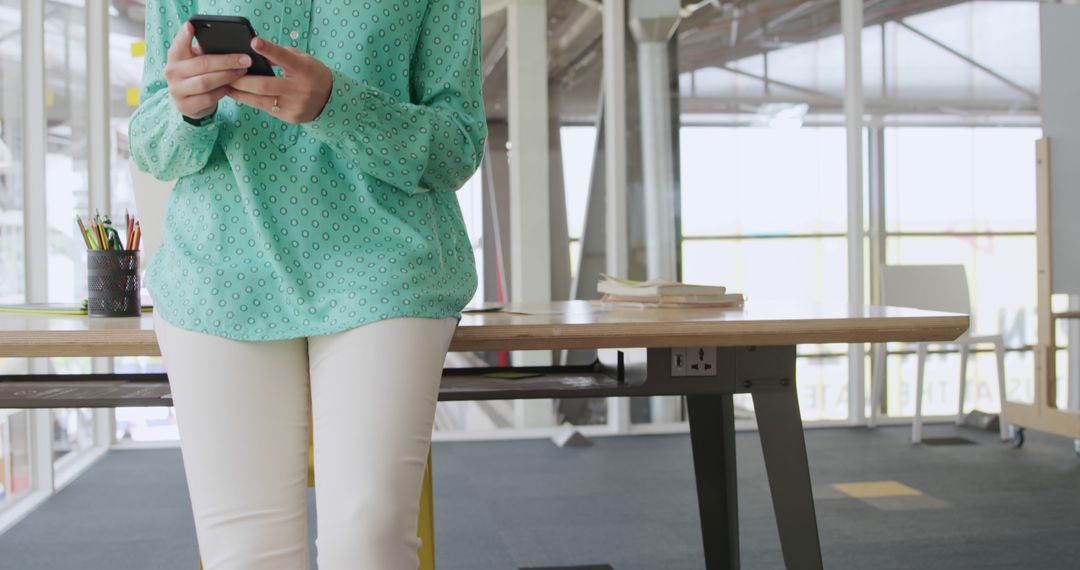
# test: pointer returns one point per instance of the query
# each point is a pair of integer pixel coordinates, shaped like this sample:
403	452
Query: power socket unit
693	361
701	361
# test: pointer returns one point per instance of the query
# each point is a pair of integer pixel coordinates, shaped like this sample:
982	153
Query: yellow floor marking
875	489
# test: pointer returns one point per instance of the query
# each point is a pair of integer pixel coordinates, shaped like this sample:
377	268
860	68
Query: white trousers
243	409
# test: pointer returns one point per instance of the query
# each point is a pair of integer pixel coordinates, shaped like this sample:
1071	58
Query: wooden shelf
103	390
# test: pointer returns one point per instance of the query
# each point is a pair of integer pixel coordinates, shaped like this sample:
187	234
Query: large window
12	268
67	162
14	455
964	194
764	213
967	196
127	20
14	429
763	171
67	180
954	90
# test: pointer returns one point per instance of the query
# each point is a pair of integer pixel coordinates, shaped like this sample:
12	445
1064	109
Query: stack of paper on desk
665	293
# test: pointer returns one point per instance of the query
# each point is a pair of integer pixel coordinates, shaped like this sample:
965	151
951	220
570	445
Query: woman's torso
279	236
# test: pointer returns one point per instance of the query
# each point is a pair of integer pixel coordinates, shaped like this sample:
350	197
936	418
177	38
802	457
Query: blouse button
294	34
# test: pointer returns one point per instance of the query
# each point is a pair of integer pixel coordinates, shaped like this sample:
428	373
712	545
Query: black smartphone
229	34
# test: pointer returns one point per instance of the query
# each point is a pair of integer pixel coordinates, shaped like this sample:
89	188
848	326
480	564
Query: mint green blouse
278	231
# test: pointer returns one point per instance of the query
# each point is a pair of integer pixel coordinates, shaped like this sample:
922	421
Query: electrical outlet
701	361
678	362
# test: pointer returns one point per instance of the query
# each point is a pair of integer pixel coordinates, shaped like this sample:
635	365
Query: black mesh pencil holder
112	283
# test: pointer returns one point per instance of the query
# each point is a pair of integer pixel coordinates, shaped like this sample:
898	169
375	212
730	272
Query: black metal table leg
784	447
712	437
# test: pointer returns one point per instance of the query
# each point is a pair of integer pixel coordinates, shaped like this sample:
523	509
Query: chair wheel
1017	436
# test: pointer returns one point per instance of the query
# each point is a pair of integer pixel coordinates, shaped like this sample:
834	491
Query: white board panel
1061	124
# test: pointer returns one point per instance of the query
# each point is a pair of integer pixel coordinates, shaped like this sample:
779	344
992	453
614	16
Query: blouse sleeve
161	142
436	141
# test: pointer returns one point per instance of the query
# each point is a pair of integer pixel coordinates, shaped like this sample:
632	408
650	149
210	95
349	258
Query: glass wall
763	170
73	428
66	163
578	144
73	431
959	116
981	181
127	20
14	430
12	268
14	455
67	188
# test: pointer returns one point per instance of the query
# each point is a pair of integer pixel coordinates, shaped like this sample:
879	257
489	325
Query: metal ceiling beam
884	106
791	15
772	81
700	40
574	43
1031	94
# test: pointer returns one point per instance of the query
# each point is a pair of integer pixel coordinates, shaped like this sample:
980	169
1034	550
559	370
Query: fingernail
257	42
245	60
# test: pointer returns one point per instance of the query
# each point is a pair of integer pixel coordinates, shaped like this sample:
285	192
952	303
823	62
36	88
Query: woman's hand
197	81
298	96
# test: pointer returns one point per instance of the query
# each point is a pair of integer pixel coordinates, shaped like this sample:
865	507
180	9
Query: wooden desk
755	354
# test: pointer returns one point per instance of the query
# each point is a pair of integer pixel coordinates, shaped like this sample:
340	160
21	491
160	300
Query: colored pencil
138	235
97	233
100	229
93	242
82	230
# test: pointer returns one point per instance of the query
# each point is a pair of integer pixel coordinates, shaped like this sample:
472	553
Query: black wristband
201	122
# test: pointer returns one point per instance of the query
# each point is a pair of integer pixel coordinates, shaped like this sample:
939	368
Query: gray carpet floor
629	502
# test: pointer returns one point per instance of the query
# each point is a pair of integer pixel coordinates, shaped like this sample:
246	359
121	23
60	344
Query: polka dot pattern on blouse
276	230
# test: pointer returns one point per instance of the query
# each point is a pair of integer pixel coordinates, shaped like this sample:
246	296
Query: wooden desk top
555	325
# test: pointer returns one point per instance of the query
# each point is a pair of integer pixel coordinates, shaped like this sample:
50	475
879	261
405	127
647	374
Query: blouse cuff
382	137
173	148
